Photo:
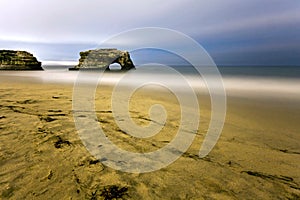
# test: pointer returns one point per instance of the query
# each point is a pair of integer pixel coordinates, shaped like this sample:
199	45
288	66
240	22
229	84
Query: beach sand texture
42	156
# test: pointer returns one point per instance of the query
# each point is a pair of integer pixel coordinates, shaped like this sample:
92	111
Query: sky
233	32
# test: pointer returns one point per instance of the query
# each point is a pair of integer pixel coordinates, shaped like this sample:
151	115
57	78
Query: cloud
93	21
220	26
73	21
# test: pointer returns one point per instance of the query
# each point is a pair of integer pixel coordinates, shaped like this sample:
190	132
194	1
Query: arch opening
115	67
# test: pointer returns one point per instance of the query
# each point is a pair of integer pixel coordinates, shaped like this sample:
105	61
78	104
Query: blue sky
234	32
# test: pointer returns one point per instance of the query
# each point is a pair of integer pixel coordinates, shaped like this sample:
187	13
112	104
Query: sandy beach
42	156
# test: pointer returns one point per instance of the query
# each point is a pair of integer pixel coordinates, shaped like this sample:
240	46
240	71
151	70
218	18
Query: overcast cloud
233	32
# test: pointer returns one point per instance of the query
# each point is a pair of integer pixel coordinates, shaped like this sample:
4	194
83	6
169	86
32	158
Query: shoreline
273	88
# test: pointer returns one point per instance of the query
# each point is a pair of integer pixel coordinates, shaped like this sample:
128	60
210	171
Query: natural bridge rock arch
102	58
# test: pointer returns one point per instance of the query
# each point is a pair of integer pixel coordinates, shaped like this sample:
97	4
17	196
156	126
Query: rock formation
18	60
102	58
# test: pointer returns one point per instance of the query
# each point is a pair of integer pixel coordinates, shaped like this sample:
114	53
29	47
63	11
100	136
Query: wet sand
42	156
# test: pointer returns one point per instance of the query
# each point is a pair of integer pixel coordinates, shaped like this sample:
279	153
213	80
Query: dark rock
102	58
61	142
18	60
113	192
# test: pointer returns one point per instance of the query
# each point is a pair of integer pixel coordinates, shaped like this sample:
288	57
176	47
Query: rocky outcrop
18	60
102	58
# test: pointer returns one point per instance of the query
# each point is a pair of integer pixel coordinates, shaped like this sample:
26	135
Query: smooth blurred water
272	81
261	71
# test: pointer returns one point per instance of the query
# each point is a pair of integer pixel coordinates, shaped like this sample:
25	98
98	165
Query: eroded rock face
18	60
102	58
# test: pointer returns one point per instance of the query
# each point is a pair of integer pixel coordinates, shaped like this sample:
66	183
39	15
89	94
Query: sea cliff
18	60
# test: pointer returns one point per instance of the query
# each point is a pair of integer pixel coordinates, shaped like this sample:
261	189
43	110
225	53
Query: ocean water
250	71
283	81
261	71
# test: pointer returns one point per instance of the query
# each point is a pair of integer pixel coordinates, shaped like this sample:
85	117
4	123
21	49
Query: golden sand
42	156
